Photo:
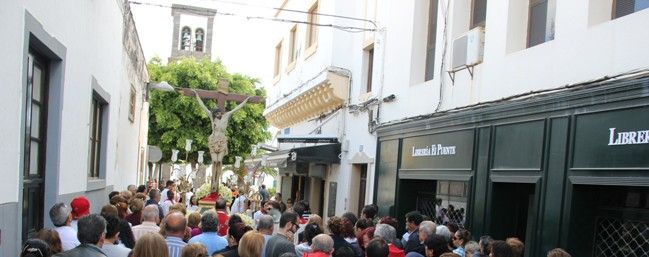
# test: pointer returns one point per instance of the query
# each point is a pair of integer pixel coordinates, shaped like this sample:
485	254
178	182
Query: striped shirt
175	246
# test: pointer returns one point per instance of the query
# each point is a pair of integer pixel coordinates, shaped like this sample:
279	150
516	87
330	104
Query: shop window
609	221
626	7
451	202
478	13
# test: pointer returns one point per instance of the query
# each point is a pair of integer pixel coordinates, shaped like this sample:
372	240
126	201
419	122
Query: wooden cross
220	97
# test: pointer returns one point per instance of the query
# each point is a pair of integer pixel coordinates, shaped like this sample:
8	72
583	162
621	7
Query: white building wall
91	33
335	48
587	45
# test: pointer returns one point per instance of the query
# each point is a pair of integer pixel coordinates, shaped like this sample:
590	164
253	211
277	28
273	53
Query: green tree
174	117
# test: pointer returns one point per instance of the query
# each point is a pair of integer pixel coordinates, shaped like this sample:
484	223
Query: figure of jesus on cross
218	140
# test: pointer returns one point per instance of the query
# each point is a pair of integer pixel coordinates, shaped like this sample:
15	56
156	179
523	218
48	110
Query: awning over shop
300	156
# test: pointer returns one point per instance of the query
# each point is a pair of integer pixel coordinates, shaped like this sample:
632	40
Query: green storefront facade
566	169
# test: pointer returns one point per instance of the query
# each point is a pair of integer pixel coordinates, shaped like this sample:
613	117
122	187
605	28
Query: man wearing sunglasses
282	242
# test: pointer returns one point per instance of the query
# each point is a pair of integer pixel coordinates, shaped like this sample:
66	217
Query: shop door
415	195
362	184
512	211
34	146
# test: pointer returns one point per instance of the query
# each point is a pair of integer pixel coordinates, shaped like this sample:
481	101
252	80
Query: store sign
628	137
433	150
448	150
616	139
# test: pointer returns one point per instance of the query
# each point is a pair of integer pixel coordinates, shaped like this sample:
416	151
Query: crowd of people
146	222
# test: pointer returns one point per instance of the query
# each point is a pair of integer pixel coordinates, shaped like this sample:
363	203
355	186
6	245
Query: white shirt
145	228
68	237
115	250
165	207
256	216
239	205
163	195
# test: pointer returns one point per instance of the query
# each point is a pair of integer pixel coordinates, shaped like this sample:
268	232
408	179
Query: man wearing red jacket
222	216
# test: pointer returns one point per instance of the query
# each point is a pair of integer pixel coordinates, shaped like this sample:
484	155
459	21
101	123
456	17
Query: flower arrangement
204	190
225	193
247	220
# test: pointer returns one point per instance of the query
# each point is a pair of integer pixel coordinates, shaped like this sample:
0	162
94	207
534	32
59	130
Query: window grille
618	237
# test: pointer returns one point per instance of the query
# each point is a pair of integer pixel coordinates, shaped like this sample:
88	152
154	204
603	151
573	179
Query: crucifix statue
218	140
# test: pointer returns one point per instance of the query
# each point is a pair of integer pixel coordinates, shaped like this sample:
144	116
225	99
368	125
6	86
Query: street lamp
162	86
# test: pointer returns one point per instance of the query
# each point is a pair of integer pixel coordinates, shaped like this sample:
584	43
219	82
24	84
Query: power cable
350	29
296	11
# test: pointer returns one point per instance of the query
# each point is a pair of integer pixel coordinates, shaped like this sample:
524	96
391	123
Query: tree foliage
173	118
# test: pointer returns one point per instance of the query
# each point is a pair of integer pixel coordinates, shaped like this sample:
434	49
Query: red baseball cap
80	206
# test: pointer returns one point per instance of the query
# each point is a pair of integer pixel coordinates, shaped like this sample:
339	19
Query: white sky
240	43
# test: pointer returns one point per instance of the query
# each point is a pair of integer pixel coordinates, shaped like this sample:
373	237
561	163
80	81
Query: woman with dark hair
461	237
335	226
310	231
235	233
501	249
435	245
51	237
36	248
361	225
349	220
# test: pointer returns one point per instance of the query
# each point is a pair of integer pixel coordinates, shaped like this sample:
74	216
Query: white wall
338	49
92	35
10	99
587	46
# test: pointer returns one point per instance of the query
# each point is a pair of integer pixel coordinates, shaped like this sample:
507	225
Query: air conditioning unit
468	49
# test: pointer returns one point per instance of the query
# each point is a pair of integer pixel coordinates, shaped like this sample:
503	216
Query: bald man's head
175	224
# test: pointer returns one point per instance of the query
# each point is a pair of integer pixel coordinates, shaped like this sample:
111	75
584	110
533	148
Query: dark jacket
413	244
340	242
231	252
279	244
83	250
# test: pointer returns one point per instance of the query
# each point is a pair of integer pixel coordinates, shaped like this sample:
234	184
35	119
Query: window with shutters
97	125
278	60
626	7
369	58
430	45
540	23
311	30
478	13
291	49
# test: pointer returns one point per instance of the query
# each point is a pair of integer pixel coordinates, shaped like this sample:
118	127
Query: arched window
200	35
186	39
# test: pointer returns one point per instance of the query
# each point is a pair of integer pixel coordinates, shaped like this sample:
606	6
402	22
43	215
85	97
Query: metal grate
617	237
